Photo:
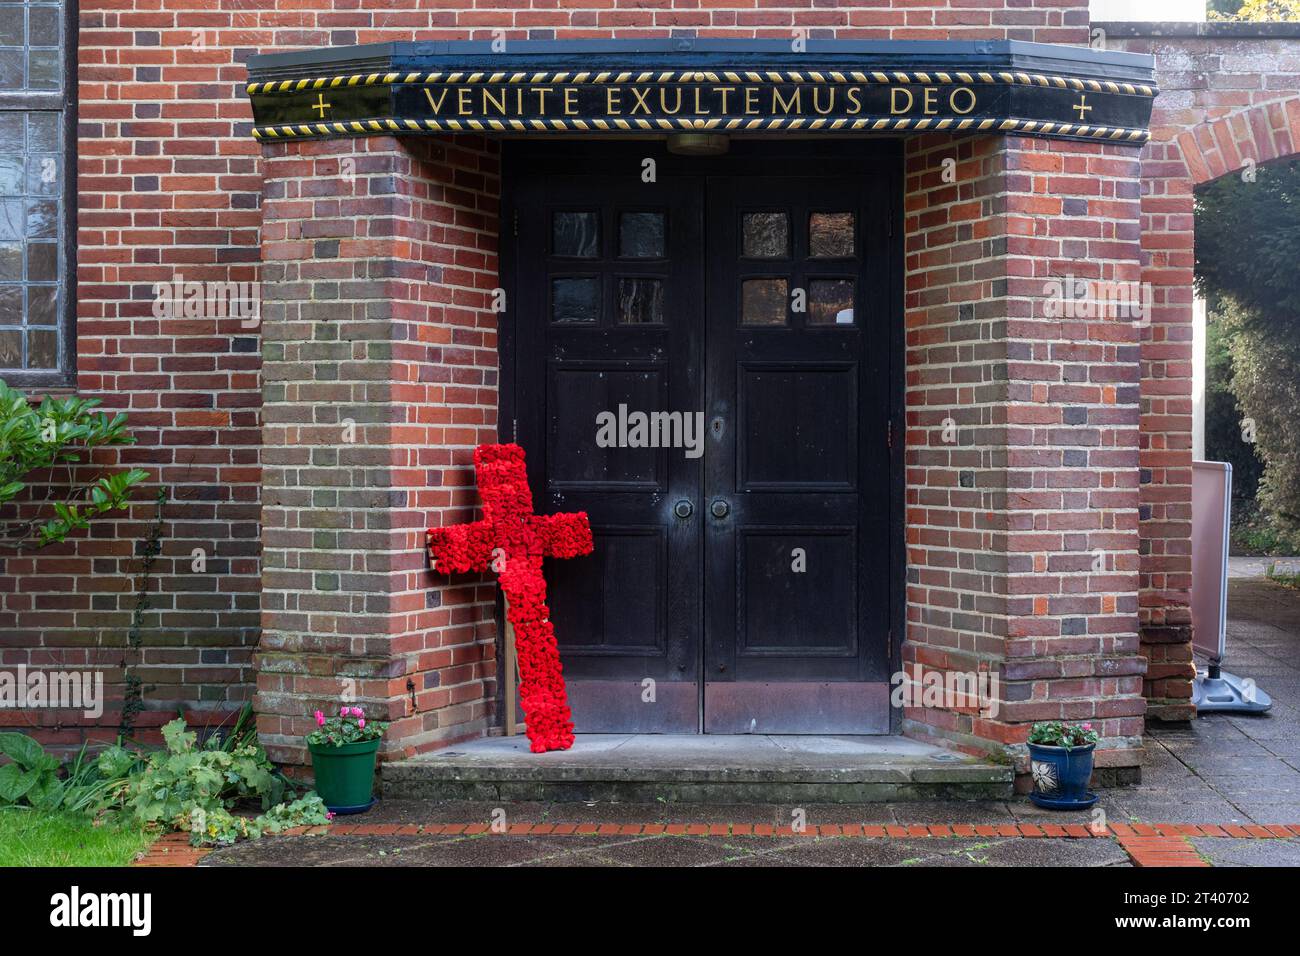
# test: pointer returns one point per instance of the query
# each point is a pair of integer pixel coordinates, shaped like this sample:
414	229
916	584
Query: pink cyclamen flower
361	722
1087	726
358	712
344	711
320	719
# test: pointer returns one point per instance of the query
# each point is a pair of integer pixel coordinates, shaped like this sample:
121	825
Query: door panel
607	318
579	390
765	605
796	603
812	613
785	441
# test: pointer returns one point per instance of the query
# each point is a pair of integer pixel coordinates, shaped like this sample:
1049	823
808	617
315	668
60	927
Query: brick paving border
172	850
1149	851
1147	844
1121	831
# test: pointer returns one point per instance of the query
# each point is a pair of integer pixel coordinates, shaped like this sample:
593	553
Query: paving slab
1251	567
1239	768
1221	852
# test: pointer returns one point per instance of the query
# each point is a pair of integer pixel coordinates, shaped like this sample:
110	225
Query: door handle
720	508
684	509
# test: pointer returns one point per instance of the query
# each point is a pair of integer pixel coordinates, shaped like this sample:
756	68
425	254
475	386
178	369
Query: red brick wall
1022	511
170	185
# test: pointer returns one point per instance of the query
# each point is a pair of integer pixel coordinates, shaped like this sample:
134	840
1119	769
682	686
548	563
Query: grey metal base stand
1218	691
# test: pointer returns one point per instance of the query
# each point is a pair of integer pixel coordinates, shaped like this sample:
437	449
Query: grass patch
37	838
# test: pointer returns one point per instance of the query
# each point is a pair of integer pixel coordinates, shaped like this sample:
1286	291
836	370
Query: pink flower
343	711
357	712
361	722
1087	726
320	719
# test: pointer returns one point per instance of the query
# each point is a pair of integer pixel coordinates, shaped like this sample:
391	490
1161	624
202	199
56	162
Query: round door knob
720	508
683	509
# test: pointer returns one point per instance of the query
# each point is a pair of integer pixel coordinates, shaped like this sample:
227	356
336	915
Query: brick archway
1229	94
1218	145
1261	132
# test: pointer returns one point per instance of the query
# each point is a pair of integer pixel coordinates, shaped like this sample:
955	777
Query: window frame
37	101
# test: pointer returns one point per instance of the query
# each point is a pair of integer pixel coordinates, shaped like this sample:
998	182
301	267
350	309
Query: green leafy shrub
187	786
1266	381
1256	10
1254	532
1056	733
218	825
53	438
194	788
1247	245
32	777
1224	439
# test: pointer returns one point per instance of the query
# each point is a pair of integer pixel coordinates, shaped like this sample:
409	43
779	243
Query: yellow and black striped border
596	77
875	125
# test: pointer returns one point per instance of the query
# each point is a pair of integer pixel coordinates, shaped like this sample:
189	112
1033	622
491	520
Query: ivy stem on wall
133	689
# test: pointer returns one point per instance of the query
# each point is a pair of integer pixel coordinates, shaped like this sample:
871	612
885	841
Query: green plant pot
345	776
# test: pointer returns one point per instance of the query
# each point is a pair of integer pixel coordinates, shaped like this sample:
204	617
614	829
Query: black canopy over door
742	578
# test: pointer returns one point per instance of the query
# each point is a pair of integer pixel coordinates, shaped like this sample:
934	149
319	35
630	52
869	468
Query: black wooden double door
701	362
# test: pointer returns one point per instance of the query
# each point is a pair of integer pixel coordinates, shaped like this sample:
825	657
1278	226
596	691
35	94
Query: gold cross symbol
321	105
1082	106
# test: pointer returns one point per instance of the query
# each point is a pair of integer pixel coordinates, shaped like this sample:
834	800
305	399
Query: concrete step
749	768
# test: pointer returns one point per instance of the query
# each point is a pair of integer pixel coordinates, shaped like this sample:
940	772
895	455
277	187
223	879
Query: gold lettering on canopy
786	106
785	100
967	96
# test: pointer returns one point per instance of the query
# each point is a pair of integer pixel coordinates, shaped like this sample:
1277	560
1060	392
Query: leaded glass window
36	136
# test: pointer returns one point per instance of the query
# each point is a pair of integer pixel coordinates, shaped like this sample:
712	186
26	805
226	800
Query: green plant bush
32	777
54	437
195	788
1057	733
1247	246
184	786
1223	415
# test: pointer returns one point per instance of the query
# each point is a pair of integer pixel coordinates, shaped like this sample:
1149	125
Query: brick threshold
1148	845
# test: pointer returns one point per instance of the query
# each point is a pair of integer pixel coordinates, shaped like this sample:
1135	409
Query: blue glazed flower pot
1061	777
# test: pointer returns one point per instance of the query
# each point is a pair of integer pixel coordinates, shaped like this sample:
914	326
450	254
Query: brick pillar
1168	219
380	377
1022	439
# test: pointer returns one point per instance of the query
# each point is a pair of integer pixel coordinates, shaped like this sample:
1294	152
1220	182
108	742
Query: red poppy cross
512	541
